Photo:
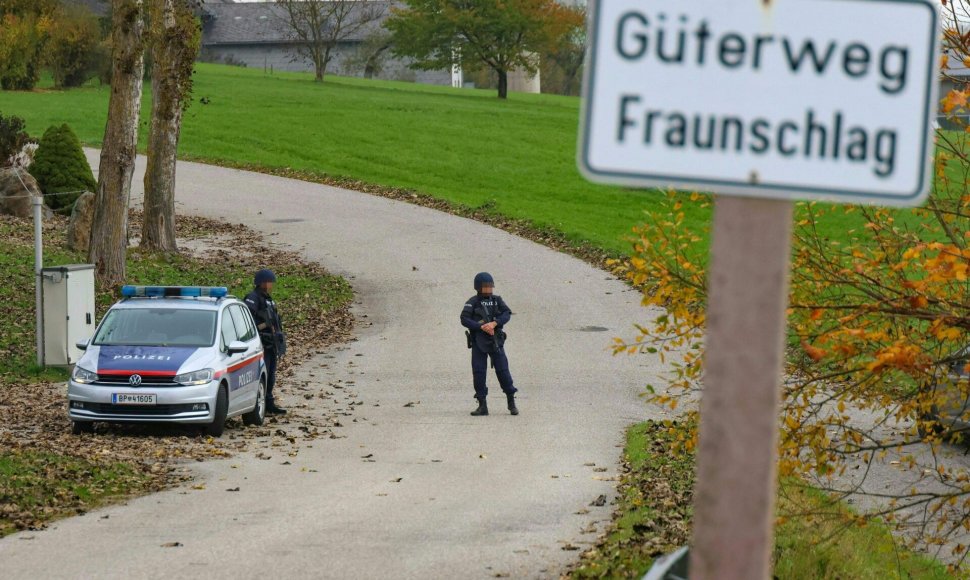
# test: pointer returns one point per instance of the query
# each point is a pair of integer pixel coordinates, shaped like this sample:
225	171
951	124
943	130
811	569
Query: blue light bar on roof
129	291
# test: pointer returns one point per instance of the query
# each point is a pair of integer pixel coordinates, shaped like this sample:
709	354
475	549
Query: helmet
264	276
483	279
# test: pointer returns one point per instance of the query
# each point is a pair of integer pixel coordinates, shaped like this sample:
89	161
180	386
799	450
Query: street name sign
788	99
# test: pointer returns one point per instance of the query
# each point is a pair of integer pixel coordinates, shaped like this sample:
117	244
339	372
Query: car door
247	371
230	362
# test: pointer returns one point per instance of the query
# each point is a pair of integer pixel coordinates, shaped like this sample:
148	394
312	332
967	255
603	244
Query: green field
516	158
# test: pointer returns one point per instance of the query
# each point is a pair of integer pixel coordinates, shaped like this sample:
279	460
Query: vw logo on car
134	380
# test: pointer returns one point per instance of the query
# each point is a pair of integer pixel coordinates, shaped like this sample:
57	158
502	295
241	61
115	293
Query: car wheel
78	427
256	416
218	424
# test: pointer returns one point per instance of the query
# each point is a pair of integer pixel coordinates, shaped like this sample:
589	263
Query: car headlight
84	376
195	377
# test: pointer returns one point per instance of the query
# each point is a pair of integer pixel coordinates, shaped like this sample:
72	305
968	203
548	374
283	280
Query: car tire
218	424
78	427
256	416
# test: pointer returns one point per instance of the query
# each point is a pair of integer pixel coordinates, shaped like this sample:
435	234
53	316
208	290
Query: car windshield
157	327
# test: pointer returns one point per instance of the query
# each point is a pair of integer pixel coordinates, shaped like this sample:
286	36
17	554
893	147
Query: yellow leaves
950	333
902	356
954	100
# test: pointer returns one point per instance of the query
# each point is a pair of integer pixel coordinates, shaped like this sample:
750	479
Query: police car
172	354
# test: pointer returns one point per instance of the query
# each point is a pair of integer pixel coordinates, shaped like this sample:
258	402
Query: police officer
270	327
485	315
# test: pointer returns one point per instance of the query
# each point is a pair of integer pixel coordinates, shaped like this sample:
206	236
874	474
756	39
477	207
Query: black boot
272	409
482	409
512	408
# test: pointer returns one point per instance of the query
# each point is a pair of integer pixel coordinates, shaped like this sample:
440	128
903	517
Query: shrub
60	166
73	48
12	138
21	40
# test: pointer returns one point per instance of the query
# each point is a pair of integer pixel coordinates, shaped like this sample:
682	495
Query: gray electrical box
68	311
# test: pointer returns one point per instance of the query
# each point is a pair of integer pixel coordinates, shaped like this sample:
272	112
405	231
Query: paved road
479	496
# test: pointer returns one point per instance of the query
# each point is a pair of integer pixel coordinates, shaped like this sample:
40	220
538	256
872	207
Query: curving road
478	497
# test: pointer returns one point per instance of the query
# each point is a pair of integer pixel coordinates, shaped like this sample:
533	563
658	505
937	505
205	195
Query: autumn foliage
878	330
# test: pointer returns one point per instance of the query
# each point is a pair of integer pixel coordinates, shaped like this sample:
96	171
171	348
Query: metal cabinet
68	311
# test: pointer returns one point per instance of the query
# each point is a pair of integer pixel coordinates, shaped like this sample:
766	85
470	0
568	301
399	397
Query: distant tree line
65	38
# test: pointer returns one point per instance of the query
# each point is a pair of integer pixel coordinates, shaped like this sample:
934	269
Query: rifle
490	318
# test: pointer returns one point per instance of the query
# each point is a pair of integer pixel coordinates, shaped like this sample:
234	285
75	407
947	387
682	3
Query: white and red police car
173	354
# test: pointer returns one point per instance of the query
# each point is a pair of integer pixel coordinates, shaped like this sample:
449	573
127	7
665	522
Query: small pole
738	451
38	203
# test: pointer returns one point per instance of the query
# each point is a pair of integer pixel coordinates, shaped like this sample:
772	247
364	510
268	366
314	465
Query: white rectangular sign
793	99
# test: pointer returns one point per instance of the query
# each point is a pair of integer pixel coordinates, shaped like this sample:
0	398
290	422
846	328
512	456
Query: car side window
228	329
250	322
239	320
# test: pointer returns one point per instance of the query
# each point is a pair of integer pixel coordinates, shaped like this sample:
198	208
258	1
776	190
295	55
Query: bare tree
109	228
174	46
317	26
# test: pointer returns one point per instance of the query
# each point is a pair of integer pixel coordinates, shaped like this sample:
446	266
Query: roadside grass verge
39	486
653	517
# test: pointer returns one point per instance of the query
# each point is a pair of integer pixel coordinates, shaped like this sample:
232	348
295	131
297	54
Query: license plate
133	399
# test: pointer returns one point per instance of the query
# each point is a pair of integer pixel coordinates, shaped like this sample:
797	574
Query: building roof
262	23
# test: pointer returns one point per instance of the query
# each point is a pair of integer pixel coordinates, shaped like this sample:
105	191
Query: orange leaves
901	356
955	100
918	302
816	354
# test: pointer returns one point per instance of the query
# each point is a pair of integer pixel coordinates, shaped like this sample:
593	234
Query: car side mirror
236	347
83	344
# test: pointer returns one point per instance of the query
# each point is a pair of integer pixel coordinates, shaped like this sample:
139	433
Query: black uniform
477	311
270	333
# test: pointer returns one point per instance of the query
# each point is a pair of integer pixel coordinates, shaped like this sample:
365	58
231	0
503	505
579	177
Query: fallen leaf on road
233	489
172	545
398	480
570	548
599	501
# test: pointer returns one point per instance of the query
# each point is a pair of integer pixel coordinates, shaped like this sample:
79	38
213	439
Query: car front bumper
92	402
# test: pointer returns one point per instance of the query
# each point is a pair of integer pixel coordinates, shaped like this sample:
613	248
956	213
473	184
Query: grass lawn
516	158
654	514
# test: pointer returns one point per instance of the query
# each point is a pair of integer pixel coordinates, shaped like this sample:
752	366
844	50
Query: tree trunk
503	84
174	48
109	229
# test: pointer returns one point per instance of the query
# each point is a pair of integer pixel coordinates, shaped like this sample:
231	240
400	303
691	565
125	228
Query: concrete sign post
787	100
